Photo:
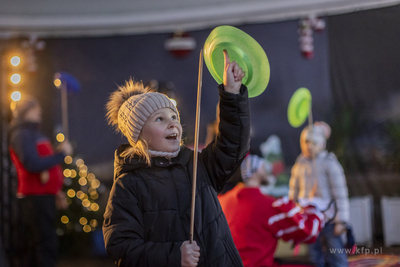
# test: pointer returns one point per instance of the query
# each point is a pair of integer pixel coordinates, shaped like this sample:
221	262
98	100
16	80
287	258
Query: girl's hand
190	254
233	75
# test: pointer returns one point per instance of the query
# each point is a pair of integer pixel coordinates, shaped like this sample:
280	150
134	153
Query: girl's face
309	148
163	131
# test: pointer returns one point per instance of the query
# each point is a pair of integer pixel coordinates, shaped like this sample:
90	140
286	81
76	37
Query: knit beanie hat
250	166
319	133
131	105
21	107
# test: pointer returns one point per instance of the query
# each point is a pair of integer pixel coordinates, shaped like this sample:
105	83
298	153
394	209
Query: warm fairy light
92	191
87	228
173	101
15	61
15	78
71	193
79	194
16	96
94	196
95	183
90	177
69	201
94	223
82	181
82	173
67	172
60	137
79	162
64	219
94	206
73	173
57	83
83	220
83	168
68	159
85	203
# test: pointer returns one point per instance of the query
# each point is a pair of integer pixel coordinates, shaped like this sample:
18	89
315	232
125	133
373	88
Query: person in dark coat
147	219
40	181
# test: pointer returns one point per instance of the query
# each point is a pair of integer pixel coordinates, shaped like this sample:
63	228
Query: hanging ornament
305	31
31	46
180	44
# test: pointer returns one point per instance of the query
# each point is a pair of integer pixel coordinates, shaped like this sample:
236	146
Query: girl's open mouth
172	137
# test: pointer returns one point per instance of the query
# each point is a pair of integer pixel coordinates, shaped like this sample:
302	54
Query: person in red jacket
40	181
257	221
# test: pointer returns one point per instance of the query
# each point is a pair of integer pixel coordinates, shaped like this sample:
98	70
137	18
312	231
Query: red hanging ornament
306	40
180	44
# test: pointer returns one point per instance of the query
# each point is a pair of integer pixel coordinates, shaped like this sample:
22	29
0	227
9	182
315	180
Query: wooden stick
64	107
196	145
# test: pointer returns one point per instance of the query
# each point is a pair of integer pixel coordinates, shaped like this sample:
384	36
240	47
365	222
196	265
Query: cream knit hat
130	107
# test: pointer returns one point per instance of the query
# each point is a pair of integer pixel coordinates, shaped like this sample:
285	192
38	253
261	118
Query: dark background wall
100	64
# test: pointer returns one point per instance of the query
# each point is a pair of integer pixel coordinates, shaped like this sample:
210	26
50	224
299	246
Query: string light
79	162
15	78
91	177
94	206
68	159
83	220
67	172
87	228
71	193
64	219
82	181
73	173
15	61
16	96
85	203
60	137
57	83
95	183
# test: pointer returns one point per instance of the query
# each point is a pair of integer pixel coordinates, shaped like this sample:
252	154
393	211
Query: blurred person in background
40	180
258	221
318	174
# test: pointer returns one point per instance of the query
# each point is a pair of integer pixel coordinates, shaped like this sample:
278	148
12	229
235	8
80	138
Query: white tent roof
61	18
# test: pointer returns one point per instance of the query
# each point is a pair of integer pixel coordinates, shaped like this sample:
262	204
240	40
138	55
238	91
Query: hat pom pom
118	97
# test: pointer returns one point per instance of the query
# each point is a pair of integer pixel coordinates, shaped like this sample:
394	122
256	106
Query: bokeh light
68	159
73	173
16	96
15	61
67	172
71	193
64	219
60	137
15	78
85	203
87	228
94	223
57	83
94	206
82	181
79	162
83	221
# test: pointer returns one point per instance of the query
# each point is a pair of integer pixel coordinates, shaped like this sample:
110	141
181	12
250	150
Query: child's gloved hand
233	75
190	254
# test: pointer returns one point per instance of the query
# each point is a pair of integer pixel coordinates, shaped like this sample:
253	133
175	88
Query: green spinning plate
241	48
299	107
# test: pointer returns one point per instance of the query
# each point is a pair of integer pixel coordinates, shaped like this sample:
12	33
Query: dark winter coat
148	213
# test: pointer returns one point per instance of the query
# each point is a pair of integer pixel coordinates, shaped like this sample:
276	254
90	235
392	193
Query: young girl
318	174
147	218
